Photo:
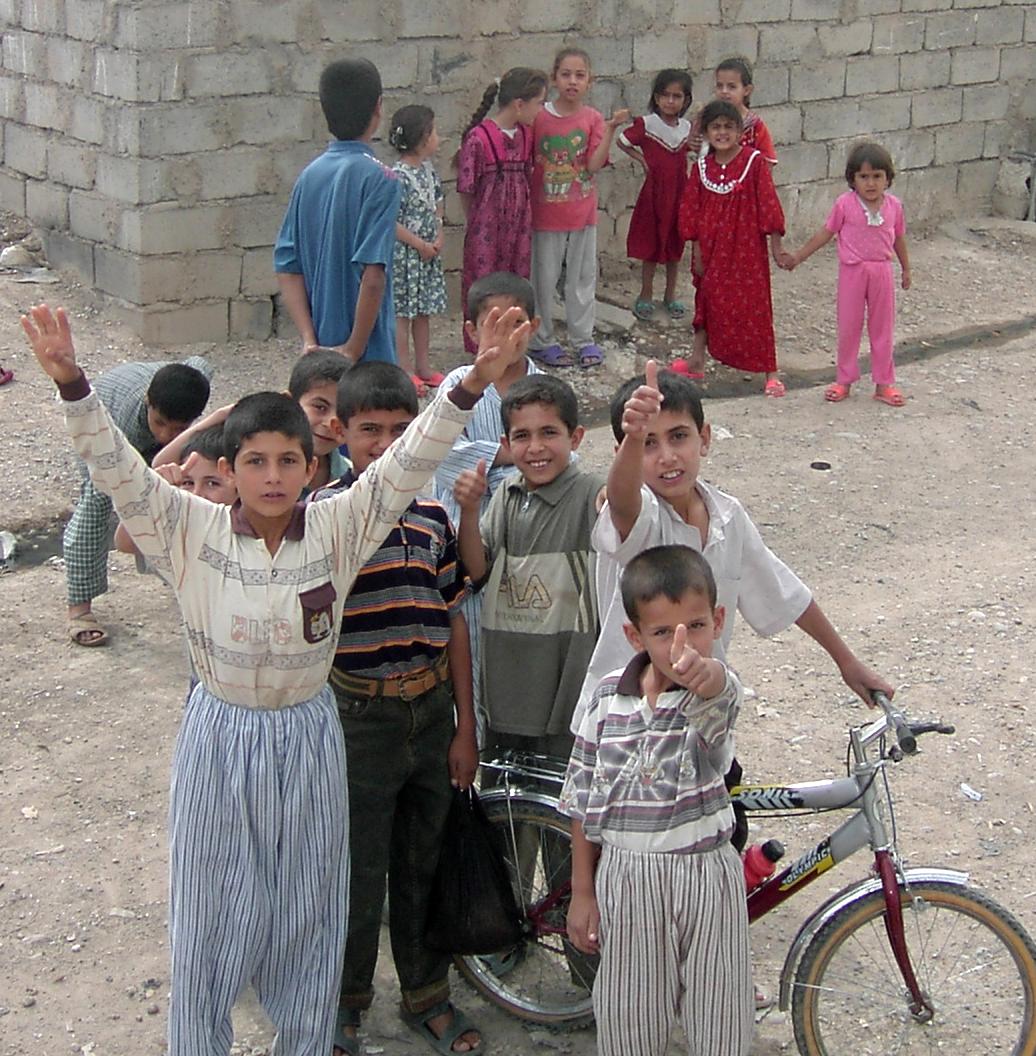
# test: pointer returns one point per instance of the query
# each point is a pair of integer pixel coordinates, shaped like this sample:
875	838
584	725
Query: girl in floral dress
418	285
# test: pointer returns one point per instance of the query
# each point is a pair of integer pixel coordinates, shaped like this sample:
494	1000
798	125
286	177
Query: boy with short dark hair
401	668
657	887
532	555
259	844
333	255
151	403
314	384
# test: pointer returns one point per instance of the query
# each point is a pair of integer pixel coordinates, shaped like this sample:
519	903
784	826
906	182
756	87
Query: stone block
696	12
171	228
43	16
257	275
46	204
164	129
1030	26
12	191
88	121
168	24
349	23
960	142
927	69
772	85
1016	64
451	66
397	64
801	163
527	49
852	39
175	324
974	65
136	181
867	75
418	18
92	217
24	53
784	123
182	277
612	58
71	163
719	44
910	148
67	253
954	29
996	140
236	173
10	12
25	150
89	19
927	5
120	74
47	106
975	183
943	106
68	62
651	52
1005	25
884	112
255	221
818	80
976	3
986	102
764	11
491	18
228	73
831	119
549	16
811	10
12	98
251	319
251	22
896	34
269	119
787	43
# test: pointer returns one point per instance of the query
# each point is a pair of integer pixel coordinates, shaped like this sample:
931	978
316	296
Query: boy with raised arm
258	816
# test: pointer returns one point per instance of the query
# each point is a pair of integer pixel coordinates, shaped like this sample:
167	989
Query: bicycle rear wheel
544	979
973	960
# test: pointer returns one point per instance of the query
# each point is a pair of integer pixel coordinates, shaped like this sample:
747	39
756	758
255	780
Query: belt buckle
405	694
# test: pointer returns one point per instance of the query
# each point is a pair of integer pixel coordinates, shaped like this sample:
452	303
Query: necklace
723	188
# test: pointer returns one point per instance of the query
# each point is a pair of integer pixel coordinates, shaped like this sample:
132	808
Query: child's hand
462	759
173	473
470	486
697	266
906	279
50	336
786	260
700	674
440	239
643	406
427	250
584	923
502	342
862	680
619	117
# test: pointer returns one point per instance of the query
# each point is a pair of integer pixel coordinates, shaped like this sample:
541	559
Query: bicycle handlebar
904	735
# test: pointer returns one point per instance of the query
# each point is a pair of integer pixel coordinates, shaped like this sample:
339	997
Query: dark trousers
399	796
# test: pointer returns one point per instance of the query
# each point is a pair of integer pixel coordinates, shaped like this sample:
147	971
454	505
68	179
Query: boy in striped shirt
657	887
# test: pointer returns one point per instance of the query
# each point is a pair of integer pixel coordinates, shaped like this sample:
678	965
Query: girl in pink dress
730	210
493	168
659	141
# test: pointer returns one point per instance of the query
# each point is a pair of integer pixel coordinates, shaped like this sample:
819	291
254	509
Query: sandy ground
918	542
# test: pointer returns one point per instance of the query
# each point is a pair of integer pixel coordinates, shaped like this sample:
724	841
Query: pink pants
870	284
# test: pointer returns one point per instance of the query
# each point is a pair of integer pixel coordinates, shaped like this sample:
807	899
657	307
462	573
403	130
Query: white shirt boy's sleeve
644	533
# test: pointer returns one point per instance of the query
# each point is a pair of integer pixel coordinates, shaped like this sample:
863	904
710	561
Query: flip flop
681	366
83	625
676	309
460	1025
435	379
552	356
643	309
590	356
836	392
890	395
774	387
348	1043
6	376
419	384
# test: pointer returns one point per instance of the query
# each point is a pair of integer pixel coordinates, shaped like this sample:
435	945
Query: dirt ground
918	541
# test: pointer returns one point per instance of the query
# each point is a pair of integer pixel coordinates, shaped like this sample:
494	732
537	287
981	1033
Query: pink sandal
889	394
774	387
836	392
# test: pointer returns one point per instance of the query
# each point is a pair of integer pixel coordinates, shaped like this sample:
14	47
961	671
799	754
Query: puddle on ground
34	547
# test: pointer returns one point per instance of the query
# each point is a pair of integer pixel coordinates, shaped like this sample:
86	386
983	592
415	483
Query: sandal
590	356
889	394
643	309
435	379
6	376
419	384
460	1025
836	392
347	1043
552	356
676	309
80	626
681	366
774	387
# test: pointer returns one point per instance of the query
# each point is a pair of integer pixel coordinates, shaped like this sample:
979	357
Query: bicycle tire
973	960
546	981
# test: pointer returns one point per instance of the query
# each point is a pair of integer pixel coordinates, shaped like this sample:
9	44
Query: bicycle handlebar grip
904	735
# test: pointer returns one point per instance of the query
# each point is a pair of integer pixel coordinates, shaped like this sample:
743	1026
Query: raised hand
700	674
173	473
470	486
643	406
502	341
50	337
619	117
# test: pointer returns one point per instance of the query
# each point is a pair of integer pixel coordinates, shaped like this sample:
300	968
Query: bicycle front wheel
973	960
544	979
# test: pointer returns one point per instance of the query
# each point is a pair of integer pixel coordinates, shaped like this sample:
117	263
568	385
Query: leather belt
405	687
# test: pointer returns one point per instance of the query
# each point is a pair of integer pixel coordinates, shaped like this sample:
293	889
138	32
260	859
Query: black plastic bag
472	908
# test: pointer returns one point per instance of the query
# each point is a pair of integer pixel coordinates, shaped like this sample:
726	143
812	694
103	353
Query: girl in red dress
659	141
729	210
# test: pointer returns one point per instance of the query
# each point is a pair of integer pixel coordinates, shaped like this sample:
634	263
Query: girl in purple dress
493	167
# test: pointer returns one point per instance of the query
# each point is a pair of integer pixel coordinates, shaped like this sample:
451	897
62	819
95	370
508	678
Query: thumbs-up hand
700	674
470	486
643	406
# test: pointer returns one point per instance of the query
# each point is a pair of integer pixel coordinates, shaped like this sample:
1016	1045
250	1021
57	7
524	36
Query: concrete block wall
155	142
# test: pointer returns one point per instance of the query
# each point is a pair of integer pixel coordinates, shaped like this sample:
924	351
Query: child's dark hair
265	412
679	395
349	94
740	65
570	53
665	570
208	444
870	153
544	389
521	82
666	78
500	284
375	386
178	392
719	108
314	367
410	125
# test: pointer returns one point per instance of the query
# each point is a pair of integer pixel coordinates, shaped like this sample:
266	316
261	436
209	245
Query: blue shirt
342	217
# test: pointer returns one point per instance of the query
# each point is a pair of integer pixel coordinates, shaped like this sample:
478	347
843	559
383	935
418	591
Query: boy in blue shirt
333	255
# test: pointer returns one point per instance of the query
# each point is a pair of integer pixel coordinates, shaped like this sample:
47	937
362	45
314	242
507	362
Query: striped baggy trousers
674	945
259	872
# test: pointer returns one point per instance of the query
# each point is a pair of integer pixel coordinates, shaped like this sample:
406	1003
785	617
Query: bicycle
904	960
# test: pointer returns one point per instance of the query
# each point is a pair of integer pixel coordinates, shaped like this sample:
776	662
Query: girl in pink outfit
493	168
870	228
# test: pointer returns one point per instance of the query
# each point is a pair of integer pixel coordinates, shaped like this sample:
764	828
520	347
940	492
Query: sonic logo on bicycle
818	860
767	797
